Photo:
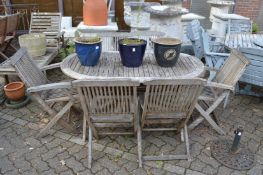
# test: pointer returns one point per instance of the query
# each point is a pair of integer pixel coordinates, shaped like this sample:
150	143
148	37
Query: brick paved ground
65	154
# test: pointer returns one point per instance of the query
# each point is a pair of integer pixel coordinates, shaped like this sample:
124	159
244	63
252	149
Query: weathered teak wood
107	104
194	30
219	90
171	102
254	53
41	90
110	67
49	24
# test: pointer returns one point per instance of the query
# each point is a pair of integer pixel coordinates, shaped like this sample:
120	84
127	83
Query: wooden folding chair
42	90
3	24
108	104
12	25
167	106
218	90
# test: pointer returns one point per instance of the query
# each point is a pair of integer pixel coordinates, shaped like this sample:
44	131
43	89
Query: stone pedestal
167	19
218	7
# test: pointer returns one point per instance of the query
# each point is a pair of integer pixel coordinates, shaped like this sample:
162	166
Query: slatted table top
243	40
110	67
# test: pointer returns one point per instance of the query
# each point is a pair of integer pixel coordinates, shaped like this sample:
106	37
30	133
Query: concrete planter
35	44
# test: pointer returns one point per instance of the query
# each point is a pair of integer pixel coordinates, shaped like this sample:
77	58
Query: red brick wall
248	8
187	4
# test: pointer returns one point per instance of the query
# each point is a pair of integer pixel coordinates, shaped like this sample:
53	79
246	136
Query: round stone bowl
35	43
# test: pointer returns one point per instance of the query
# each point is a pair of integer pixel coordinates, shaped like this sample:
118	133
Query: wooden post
61	6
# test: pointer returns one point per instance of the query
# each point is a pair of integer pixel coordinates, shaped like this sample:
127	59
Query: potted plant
88	50
167	51
132	51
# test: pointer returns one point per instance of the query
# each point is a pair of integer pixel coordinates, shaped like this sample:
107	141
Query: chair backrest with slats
194	30
232	69
171	97
3	23
27	70
101	97
48	23
12	23
239	26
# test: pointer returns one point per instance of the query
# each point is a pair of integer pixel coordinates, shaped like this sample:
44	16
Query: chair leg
90	148
207	116
226	100
84	128
56	118
182	135
3	55
139	139
187	143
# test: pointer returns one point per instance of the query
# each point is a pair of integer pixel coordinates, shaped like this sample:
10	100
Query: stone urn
95	12
167	19
138	18
35	43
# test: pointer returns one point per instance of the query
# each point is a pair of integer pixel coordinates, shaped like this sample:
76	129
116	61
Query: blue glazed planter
88	53
132	54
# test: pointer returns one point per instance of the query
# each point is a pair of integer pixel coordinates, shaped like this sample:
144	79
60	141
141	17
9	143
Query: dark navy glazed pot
132	54
167	51
88	53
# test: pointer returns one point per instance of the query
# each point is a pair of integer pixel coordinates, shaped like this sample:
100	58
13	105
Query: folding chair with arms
108	104
42	90
3	24
167	106
218	90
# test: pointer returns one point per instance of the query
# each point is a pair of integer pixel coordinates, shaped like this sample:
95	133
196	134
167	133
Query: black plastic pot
132	54
167	51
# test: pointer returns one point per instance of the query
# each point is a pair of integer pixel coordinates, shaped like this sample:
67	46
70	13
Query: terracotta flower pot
15	91
95	12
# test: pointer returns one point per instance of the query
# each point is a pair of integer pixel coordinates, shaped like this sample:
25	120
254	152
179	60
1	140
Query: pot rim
20	83
144	42
33	36
79	42
162	41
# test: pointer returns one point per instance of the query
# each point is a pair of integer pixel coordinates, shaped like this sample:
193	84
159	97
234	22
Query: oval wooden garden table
110	67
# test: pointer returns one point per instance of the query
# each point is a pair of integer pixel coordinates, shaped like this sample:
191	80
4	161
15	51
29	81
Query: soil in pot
88	50
132	51
15	91
167	51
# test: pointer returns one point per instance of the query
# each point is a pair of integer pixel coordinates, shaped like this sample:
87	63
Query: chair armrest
217	54
60	85
60	34
220	85
51	66
211	69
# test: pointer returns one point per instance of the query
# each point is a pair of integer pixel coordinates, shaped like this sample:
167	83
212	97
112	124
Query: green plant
69	50
255	27
88	40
